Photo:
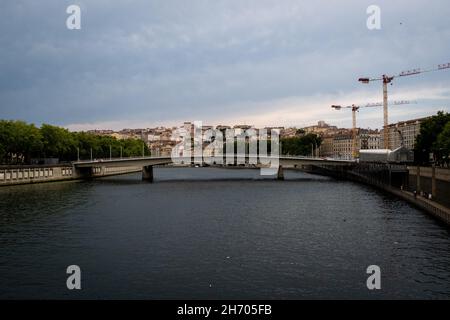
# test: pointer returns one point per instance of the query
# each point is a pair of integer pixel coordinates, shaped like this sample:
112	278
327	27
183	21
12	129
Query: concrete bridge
93	168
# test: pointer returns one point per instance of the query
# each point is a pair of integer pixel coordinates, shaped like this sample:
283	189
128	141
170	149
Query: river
208	233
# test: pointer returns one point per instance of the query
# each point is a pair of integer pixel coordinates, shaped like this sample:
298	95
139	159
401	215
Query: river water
206	233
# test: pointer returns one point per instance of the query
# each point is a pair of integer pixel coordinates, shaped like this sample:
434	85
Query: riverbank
438	210
12	175
422	179
433	208
30	174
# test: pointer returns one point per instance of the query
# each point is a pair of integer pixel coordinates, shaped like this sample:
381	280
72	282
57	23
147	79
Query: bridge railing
212	158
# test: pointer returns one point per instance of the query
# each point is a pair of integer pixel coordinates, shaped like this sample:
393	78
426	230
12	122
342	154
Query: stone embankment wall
14	175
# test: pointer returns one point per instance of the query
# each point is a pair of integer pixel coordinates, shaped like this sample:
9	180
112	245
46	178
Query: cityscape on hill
335	142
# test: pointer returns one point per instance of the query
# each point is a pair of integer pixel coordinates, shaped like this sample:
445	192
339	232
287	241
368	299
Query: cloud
306	110
136	62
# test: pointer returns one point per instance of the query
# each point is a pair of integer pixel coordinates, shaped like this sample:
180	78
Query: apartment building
343	146
408	130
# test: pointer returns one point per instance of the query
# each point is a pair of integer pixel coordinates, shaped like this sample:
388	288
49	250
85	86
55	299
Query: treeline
20	142
293	146
300	146
434	139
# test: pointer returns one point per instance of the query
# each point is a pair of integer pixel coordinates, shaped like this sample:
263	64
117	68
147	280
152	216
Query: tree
443	143
5	141
19	141
426	141
133	147
300	145
58	142
100	146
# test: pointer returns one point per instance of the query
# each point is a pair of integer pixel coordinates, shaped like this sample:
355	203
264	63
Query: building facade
326	147
403	131
343	146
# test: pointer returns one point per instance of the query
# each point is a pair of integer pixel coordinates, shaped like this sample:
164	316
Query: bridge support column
82	173
433	180
147	173
280	174
418	179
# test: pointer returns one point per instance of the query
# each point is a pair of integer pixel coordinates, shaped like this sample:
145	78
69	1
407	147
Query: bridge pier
280	174
147	173
433	180
418	179
82	173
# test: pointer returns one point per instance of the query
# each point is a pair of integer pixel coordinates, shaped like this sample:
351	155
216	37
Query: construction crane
388	79
356	108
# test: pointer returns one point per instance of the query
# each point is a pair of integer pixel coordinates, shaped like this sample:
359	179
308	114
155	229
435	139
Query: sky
144	63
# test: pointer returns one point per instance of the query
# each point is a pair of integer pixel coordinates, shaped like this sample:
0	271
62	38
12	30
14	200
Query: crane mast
355	108
354	144
388	79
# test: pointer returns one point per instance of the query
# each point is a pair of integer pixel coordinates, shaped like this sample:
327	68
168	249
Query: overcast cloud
139	63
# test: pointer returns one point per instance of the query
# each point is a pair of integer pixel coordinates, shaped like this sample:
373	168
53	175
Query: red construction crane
355	109
388	79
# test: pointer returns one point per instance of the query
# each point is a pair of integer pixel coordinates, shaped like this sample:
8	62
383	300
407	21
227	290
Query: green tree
443	143
58	142
100	146
133	147
426	141
19	141
300	145
5	140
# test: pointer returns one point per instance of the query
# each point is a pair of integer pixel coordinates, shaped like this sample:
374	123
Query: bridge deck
227	159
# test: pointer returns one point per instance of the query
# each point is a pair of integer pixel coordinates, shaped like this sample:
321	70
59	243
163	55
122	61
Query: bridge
273	165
